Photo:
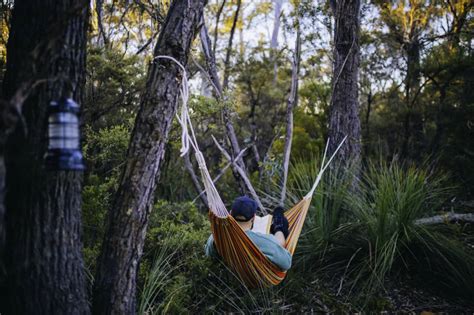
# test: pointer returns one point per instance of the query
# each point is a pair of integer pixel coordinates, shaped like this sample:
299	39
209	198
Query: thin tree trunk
274	40
253	126
216	28
413	124
225	81
344	111
209	56
44	266
115	283
292	103
102	35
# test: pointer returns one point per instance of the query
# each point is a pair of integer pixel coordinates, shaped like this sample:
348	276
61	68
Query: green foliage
106	149
112	87
105	152
182	229
157	280
368	233
363	236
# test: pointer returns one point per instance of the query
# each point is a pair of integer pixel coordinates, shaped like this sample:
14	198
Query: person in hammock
272	245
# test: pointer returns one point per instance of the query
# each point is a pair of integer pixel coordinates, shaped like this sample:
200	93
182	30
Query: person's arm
282	258
210	249
271	248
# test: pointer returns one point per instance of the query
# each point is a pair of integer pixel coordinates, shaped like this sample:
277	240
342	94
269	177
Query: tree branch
222	172
216	29
242	174
212	69
446	218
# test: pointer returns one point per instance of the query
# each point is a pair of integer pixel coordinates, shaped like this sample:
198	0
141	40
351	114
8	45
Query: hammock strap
188	139
324	166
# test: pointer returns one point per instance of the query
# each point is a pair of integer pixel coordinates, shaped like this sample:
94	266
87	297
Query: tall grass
158	277
362	234
391	198
232	295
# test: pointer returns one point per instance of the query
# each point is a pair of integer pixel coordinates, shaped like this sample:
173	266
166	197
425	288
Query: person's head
244	210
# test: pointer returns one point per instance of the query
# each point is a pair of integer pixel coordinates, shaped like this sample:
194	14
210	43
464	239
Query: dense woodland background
390	228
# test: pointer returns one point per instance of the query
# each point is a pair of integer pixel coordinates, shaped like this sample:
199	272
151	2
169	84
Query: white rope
188	139
323	167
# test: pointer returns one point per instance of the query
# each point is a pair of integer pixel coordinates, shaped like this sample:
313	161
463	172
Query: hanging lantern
63	136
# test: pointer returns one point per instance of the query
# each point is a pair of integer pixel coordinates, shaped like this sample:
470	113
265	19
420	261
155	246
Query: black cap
244	207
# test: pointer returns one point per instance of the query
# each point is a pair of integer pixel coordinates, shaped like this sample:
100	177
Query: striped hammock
232	243
237	249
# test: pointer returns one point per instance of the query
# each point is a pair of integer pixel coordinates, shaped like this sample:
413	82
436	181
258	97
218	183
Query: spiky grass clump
157	278
384	211
367	231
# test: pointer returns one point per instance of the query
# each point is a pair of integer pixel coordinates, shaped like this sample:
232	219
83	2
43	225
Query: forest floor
400	295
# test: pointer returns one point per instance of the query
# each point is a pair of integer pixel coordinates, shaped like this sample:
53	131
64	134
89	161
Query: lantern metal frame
64	152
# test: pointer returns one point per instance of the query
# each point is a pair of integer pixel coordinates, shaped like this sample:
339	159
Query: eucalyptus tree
115	282
344	108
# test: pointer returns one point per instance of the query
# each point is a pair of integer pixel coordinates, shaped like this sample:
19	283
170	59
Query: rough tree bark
115	283
344	111
43	259
367	121
292	102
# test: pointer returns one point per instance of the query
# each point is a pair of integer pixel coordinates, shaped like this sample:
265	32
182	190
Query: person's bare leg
280	238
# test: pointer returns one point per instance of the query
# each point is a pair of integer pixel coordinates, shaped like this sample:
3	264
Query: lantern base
64	160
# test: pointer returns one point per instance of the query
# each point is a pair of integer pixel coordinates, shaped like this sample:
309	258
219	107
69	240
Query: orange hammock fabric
240	253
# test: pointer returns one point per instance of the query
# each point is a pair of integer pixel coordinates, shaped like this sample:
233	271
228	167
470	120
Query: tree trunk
115	284
228	54
367	122
413	123
344	111
274	40
292	102
216	28
230	130
43	261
